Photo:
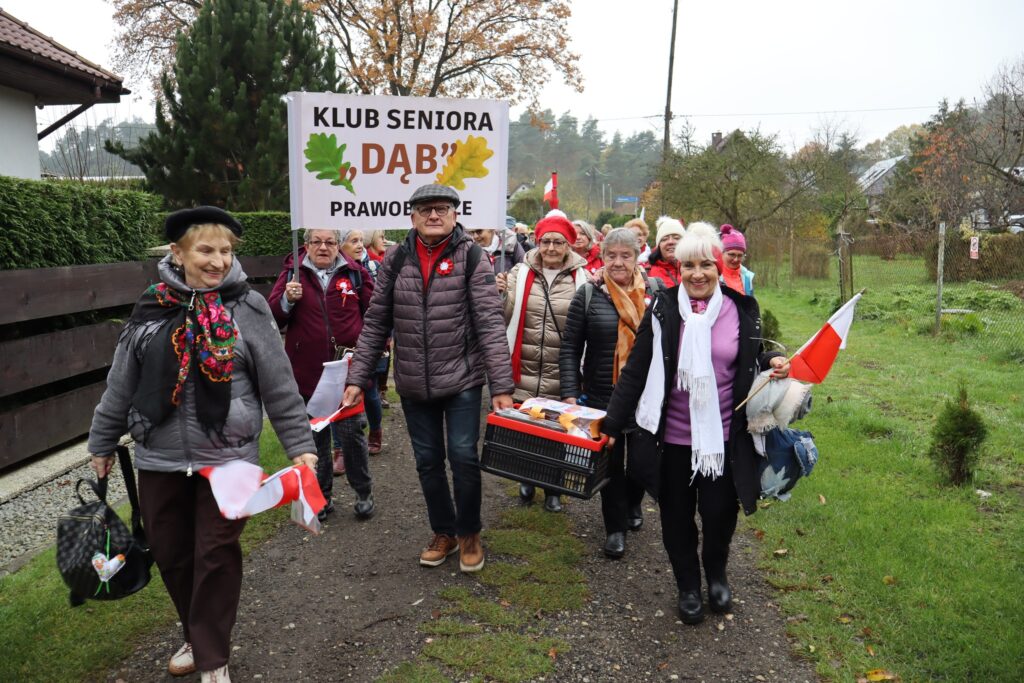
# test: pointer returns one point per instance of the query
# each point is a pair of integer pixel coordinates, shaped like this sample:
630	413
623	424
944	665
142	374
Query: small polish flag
551	190
241	490
320	423
814	359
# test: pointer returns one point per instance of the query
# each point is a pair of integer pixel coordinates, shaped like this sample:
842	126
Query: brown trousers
199	557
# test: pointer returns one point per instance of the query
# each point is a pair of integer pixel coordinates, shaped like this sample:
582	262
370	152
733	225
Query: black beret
178	223
428	193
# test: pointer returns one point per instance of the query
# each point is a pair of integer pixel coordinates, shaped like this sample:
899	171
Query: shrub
267	233
811	260
957	438
45	224
1000	257
770	329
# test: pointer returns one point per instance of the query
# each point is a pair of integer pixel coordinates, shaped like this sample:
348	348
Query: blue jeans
426	422
374	411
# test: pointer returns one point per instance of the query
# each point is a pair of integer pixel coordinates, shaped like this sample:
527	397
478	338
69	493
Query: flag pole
767	381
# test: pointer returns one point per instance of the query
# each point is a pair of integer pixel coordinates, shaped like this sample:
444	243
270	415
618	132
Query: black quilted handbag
97	556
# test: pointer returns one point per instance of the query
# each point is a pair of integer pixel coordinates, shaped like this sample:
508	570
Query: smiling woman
205	252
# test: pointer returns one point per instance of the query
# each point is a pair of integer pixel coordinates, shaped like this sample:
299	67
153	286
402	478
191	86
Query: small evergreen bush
770	329
957	438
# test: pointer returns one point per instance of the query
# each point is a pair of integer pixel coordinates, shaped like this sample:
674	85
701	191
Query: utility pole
668	97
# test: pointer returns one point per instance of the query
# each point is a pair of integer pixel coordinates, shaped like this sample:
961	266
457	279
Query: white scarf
695	374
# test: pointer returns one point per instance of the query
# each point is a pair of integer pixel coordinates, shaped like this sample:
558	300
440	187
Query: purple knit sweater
725	348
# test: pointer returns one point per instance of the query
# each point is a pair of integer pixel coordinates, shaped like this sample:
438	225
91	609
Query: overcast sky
785	67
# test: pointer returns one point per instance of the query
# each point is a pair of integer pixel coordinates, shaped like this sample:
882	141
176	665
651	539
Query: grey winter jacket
446	339
262	377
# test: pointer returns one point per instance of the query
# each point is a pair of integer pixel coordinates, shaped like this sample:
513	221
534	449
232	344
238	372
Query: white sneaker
216	676
182	663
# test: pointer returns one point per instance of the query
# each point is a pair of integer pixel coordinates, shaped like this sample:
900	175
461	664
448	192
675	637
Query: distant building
37	71
874	180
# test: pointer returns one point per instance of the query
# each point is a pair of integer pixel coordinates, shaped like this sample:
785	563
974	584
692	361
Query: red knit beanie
556	224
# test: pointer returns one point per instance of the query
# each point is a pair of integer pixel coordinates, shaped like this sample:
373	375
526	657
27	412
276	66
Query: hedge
58	223
1000	257
267	233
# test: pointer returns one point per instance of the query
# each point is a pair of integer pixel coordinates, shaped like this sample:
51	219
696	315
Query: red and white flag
814	359
241	490
551	190
318	424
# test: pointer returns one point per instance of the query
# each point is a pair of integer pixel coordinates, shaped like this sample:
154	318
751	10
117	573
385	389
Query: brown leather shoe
441	546
373	441
339	462
471	556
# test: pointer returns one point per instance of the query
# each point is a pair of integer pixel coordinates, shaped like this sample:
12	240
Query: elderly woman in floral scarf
599	333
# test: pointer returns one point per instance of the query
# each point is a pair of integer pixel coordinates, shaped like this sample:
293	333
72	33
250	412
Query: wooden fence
32	362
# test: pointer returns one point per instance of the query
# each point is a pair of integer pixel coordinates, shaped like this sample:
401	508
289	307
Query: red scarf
733	280
517	351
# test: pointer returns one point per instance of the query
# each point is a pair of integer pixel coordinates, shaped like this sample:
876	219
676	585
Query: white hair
698	243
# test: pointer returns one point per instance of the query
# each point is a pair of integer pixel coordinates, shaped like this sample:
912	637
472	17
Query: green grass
896	570
46	640
488	632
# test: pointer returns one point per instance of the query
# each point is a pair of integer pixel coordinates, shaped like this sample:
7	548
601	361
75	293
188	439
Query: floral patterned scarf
199	333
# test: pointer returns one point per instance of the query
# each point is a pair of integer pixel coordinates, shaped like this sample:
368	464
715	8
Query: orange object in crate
531	454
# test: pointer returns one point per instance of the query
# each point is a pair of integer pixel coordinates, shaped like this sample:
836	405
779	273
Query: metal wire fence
975	296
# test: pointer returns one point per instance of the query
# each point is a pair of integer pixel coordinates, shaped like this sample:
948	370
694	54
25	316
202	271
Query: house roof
868	180
33	62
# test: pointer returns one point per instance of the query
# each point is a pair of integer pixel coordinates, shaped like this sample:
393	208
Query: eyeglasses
323	243
441	210
553	243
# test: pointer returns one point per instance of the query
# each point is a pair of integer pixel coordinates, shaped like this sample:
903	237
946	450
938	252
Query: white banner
354	160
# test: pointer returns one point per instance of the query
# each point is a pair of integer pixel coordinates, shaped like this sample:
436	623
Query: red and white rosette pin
344	287
445	267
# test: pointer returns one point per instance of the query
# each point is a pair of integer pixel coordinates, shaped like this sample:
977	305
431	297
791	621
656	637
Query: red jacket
665	271
307	341
594	261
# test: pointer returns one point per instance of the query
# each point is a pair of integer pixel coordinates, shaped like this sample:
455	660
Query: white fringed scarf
695	373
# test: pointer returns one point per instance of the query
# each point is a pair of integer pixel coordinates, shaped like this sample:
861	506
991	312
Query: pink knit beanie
732	239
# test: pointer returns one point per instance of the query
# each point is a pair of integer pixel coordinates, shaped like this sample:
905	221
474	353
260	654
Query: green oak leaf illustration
326	160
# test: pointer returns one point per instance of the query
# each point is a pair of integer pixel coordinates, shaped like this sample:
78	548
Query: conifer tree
222	131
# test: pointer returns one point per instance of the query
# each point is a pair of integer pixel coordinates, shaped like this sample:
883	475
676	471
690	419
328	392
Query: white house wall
19	149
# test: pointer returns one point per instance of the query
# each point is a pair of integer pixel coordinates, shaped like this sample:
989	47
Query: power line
776	113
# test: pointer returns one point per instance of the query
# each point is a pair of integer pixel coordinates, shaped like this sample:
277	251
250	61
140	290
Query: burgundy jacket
341	307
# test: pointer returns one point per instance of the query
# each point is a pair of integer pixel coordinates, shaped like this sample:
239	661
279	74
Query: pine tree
222	133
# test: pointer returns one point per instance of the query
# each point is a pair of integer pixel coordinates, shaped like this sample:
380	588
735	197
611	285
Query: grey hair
620	237
586	228
699	243
340	235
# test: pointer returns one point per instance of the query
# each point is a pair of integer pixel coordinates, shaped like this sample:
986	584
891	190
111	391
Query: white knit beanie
666	226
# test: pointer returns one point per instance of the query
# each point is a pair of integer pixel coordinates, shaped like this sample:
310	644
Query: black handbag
643	460
97	556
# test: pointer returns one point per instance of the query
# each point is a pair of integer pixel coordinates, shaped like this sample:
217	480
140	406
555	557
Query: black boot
526	493
636	518
691	607
552	503
615	545
364	506
719	595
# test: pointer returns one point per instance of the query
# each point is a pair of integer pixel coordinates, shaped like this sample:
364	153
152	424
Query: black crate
557	466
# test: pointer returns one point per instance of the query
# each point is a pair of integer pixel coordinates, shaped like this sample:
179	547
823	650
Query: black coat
597	330
752	360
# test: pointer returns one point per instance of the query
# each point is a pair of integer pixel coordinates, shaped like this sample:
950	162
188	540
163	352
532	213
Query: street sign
626	199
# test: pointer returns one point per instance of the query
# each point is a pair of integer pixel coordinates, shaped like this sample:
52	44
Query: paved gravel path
346	605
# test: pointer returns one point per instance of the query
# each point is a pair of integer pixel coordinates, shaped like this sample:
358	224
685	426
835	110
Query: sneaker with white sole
216	676
471	553
182	663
